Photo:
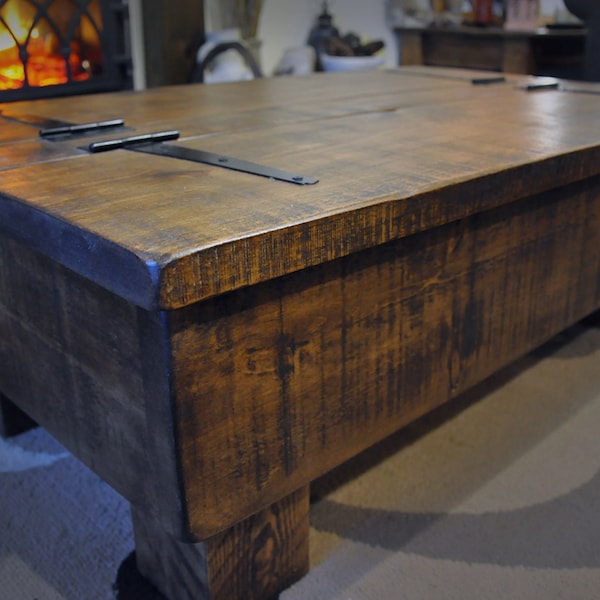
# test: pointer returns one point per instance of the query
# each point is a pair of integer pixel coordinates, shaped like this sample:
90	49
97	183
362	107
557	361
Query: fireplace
63	47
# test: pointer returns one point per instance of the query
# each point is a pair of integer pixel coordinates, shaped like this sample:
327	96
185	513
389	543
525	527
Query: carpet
496	495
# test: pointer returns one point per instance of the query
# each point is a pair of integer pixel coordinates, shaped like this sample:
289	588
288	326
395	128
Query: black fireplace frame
116	48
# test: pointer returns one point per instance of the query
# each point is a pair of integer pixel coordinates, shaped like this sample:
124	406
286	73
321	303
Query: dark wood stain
211	342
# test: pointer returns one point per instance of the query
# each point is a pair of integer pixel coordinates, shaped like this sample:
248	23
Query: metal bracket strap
67	129
154	143
56	129
228	162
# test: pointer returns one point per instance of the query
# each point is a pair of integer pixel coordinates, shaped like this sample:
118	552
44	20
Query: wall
287	23
549	7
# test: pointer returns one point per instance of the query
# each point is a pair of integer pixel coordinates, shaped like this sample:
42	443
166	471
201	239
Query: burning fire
31	52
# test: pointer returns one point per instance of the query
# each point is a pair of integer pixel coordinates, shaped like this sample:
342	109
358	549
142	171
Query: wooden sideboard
556	52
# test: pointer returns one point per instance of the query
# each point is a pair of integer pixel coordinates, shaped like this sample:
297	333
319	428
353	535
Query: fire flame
31	56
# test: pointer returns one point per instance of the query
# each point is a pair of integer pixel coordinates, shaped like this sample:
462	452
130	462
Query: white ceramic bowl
350	63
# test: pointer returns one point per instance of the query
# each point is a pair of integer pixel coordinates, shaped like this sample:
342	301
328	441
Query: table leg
254	559
12	419
593	320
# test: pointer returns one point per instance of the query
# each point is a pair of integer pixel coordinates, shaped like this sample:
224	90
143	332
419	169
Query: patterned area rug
496	495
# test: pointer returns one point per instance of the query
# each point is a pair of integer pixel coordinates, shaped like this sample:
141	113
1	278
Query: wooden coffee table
210	341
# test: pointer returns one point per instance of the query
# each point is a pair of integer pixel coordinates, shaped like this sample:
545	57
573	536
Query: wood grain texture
254	559
209	342
55	327
533	51
290	378
85	364
468	51
443	149
252	104
201	110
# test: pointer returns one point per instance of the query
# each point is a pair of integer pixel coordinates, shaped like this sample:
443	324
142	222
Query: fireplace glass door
59	47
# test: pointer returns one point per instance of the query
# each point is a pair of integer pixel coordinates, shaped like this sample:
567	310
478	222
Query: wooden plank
11	131
519	56
411	47
313	94
304	372
516	51
468	51
264	104
255	559
28	152
84	363
193	231
201	109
